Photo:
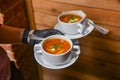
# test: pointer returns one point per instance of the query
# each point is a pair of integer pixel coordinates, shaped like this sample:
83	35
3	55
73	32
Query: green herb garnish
56	46
72	19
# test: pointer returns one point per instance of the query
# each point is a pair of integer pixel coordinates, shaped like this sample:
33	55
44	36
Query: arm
10	35
17	35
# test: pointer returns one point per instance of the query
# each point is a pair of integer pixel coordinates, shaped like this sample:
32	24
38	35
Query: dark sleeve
5	71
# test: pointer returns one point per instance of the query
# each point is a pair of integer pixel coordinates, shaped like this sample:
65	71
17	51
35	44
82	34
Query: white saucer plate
88	30
45	64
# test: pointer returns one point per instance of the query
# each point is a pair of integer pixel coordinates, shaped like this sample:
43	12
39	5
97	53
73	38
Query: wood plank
113	34
102	55
101	16
99	43
94	66
47	21
104	4
30	14
85	68
67	74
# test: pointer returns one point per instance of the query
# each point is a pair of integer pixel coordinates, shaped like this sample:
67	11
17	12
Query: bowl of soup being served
55	49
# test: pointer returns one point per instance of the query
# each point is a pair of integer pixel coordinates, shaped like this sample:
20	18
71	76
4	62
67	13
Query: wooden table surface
100	54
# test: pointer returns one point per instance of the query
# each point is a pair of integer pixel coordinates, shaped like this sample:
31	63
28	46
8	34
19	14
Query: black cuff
25	35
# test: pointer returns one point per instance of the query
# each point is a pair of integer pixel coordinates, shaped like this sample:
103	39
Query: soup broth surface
70	18
56	46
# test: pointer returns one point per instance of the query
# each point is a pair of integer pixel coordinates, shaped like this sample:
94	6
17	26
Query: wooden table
100	54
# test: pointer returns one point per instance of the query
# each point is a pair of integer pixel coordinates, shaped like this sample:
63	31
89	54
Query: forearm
10	35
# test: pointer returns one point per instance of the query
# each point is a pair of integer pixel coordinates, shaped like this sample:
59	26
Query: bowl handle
76	49
37	49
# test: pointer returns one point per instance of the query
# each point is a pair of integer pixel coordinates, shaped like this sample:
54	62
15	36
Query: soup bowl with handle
49	53
72	22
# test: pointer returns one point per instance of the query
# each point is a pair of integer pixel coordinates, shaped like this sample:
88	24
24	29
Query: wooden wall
100	54
15	15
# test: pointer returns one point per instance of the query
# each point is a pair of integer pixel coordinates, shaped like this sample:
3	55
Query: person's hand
42	34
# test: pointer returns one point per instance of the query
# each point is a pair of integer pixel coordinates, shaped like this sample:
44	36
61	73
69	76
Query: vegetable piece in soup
56	46
70	18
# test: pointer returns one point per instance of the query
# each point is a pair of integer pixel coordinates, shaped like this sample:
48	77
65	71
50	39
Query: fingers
55	31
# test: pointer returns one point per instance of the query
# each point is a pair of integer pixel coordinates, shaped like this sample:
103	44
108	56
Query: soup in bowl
55	49
70	18
56	46
72	22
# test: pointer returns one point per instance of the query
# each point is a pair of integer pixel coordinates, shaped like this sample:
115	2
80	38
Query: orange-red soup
56	46
70	18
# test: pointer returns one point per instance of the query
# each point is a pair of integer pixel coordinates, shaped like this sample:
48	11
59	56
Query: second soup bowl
72	22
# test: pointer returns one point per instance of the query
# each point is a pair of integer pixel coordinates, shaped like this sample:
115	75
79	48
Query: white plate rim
40	60
76	36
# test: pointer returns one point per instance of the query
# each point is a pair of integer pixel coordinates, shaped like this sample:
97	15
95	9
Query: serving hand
33	37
